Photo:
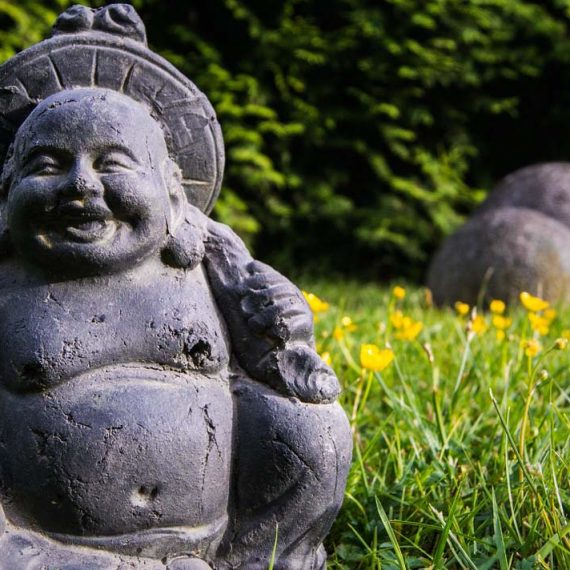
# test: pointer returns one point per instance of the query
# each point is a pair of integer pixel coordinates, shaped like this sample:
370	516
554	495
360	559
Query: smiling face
88	191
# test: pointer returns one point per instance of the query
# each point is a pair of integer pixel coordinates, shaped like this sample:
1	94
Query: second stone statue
161	400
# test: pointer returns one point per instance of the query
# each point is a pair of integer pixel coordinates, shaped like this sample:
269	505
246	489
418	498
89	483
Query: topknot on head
117	19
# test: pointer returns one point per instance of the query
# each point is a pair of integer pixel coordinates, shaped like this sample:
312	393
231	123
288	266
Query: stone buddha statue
161	401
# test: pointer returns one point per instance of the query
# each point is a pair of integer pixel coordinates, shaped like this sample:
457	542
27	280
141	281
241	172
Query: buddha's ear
186	227
177	197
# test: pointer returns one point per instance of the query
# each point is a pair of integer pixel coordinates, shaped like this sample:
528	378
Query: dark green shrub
357	130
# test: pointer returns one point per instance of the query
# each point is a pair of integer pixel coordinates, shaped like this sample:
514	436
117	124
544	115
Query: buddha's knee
291	468
283	442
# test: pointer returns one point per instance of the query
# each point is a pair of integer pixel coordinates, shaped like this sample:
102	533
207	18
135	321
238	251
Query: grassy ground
461	443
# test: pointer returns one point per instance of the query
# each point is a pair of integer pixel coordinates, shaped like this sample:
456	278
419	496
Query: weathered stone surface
161	400
499	253
541	187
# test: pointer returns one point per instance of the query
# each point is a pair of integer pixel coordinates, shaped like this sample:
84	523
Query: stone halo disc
98	59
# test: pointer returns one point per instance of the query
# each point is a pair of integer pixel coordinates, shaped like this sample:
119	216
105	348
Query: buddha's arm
270	323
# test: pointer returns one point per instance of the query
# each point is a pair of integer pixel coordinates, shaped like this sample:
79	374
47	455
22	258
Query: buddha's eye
43	165
114	163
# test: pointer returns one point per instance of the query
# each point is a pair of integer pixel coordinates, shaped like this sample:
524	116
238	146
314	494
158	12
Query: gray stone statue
161	401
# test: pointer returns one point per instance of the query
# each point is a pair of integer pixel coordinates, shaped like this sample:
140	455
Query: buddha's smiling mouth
82	223
90	230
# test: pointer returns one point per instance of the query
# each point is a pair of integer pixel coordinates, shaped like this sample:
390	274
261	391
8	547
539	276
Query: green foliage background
358	132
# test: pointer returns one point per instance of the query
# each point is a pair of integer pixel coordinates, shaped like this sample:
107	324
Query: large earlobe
186	227
172	177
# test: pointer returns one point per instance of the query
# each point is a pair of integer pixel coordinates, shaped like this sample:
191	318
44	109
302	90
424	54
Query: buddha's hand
277	312
273	306
269	321
300	372
258	303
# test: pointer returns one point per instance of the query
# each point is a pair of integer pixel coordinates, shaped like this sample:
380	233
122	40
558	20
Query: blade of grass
438	556
499	539
274	552
391	535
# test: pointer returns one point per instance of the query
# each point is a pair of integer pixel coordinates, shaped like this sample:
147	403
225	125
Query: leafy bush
357	131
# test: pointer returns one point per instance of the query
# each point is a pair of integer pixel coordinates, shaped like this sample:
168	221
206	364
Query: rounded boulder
501	252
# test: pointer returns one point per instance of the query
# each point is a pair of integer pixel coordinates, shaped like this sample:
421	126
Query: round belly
118	450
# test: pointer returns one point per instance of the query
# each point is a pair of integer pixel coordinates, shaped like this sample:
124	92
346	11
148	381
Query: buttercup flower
479	325
531	347
497	306
317	305
326	358
539	323
462	308
399	292
409	330
561	343
406	328
348	324
549	314
501	323
534	304
374	358
396	319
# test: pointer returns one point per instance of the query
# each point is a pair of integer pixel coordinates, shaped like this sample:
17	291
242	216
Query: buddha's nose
82	182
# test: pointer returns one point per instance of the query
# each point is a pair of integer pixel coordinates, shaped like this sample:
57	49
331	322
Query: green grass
459	462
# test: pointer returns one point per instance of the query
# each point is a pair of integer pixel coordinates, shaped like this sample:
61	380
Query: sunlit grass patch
461	430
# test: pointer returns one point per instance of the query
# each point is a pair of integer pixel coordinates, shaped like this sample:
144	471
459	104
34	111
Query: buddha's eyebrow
108	148
54	150
38	150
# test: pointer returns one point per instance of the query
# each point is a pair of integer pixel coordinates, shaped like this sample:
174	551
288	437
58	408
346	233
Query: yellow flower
399	292
462	308
406	327
338	333
326	358
410	329
561	343
501	323
549	315
479	325
534	304
539	323
348	324
317	305
531	347
501	335
397	319
497	306
374	358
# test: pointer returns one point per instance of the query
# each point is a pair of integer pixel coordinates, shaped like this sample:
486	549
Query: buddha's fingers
262	276
306	376
277	322
280	296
